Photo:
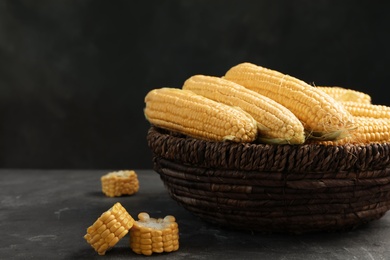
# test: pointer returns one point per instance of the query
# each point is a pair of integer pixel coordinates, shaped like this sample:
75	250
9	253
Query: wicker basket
274	188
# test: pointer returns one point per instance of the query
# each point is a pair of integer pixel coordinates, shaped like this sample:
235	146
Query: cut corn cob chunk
120	183
320	114
345	94
196	116
367	110
276	124
369	130
109	228
150	235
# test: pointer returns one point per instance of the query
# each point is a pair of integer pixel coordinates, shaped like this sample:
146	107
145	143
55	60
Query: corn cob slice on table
151	235
109	228
321	115
196	116
276	124
120	183
345	94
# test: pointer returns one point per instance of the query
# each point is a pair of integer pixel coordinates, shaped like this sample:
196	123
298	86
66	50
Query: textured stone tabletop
45	213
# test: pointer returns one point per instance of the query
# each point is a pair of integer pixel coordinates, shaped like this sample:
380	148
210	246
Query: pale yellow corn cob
320	114
150	235
109	228
367	110
345	94
276	124
196	116
369	130
120	183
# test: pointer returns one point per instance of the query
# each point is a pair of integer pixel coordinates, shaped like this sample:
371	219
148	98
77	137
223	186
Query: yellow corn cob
109	228
276	124
369	130
150	235
194	115
320	114
345	94
120	183
367	110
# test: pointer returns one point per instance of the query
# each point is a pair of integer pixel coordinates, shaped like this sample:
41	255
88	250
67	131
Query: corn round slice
118	183
109	228
151	235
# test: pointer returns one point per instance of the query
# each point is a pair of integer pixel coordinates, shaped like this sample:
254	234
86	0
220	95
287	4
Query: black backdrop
73	74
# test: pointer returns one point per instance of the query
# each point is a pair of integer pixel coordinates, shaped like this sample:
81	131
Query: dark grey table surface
44	214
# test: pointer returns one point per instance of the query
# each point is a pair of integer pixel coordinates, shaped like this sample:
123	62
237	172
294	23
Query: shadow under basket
274	188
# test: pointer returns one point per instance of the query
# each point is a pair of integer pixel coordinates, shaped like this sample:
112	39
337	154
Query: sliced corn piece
109	228
151	235
119	183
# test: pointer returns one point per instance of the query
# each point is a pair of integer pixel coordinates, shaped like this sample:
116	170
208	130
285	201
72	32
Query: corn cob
120	183
150	235
320	114
276	124
109	228
345	94
194	115
367	110
369	130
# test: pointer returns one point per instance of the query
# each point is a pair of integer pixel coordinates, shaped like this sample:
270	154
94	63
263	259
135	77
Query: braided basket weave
274	188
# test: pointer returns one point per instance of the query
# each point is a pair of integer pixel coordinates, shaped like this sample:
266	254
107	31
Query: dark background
73	74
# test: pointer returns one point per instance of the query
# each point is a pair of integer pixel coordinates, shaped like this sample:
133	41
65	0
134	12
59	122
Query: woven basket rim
267	157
